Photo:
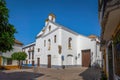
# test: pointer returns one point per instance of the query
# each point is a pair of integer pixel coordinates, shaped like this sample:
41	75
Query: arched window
55	39
49	44
70	43
49	27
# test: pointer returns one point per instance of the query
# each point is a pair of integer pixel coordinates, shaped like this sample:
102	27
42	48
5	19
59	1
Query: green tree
19	56
7	30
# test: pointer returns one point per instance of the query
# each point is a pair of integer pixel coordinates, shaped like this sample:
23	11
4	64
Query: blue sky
28	16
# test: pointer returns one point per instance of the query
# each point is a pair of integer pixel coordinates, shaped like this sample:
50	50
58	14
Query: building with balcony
29	49
57	45
109	16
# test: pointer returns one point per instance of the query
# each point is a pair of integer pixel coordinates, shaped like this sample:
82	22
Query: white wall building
57	45
5	57
29	49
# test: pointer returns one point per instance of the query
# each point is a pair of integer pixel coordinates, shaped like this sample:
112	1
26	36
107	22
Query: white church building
57	45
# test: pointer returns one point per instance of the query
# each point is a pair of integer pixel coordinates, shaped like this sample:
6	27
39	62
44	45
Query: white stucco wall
65	50
26	49
44	52
72	56
85	43
53	27
16	48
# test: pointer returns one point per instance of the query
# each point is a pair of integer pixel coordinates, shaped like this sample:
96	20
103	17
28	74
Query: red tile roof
18	42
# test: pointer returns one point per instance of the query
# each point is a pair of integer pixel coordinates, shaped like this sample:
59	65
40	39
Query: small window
59	49
32	55
49	44
55	39
44	43
50	28
9	61
29	54
70	43
38	49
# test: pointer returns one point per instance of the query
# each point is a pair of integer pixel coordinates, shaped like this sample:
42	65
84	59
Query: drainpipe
96	52
113	59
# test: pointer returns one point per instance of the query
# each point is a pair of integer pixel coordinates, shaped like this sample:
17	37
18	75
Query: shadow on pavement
90	74
23	75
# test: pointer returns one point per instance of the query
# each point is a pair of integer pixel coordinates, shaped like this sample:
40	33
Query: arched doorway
69	59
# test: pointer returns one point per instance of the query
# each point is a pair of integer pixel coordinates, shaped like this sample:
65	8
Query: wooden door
49	61
32	63
86	58
38	61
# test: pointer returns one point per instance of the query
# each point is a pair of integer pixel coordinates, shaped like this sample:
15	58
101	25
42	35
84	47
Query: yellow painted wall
11	67
104	65
8	67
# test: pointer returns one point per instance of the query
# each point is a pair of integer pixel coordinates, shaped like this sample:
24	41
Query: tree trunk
19	64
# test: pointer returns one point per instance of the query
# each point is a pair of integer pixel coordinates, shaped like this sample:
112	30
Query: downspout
113	60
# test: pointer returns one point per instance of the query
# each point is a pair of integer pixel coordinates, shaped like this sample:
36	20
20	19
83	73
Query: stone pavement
51	74
70	74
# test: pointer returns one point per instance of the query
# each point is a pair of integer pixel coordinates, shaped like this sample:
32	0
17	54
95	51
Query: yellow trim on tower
52	15
46	20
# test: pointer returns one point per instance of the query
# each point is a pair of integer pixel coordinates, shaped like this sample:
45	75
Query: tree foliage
19	56
7	30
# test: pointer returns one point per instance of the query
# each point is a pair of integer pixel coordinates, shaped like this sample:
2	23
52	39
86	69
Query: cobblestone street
51	74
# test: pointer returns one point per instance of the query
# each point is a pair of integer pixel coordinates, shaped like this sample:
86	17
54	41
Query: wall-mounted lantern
78	55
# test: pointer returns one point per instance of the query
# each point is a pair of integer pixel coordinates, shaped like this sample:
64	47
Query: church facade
57	45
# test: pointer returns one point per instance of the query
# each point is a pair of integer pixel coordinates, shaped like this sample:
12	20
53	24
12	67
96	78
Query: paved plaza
51	74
